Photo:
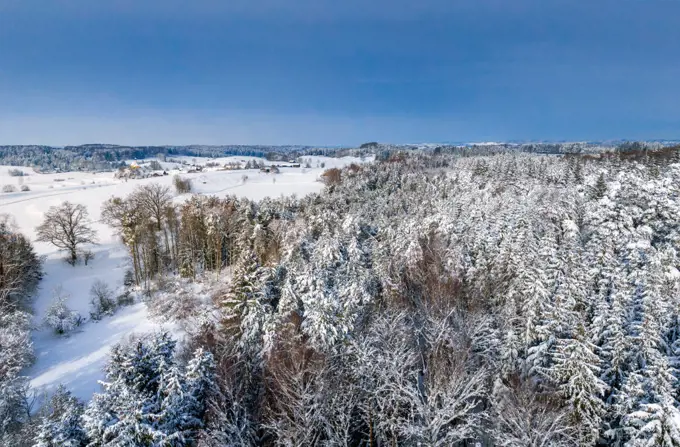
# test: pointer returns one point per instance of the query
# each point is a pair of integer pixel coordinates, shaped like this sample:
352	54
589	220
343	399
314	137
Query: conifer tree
61	426
244	307
600	188
577	374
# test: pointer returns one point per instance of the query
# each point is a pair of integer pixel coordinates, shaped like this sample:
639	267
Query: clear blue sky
335	72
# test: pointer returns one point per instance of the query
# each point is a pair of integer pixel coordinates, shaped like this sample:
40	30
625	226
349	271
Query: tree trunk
135	262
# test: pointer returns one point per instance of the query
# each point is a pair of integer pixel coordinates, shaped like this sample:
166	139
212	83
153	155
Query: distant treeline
103	157
628	150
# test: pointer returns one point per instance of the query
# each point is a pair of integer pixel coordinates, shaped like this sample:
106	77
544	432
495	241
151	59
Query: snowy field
77	360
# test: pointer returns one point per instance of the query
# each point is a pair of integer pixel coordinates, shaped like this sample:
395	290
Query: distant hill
106	157
103	157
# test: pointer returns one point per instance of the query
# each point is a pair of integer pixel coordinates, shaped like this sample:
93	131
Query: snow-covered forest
107	157
425	299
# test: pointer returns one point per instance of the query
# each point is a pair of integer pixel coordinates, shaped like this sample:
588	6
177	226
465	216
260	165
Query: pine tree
61	426
657	424
511	343
615	351
244	307
600	188
577	374
134	408
200	381
137	365
175	422
653	418
623	427
13	409
540	313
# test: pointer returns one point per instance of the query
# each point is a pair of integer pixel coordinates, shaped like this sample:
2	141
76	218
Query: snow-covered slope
77	360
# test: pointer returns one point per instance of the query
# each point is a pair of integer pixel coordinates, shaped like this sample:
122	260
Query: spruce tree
600	188
577	374
61	425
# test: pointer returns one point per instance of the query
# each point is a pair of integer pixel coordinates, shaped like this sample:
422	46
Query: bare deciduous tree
67	227
128	219
182	186
523	418
156	199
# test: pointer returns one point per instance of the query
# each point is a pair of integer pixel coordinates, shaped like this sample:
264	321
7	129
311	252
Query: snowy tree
61	426
156	199
577	373
20	268
14	405
175	421
60	317
600	187
244	307
101	300
200	381
444	409
520	419
148	400
541	316
381	310
67	227
657	424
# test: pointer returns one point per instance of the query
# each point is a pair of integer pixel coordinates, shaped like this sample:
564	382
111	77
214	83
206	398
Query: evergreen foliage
427	299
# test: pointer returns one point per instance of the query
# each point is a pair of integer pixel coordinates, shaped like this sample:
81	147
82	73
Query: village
141	169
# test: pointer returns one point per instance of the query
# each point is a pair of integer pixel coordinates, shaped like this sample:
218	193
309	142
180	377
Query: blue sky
328	72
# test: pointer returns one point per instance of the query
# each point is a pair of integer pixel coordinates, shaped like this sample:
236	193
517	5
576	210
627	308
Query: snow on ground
335	162
77	360
202	161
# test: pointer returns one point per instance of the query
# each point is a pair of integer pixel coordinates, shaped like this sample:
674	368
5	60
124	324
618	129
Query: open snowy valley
77	360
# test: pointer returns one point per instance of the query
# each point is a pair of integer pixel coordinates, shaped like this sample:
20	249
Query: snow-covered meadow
76	360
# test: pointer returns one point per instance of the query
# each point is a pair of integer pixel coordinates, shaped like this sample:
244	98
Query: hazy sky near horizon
328	72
